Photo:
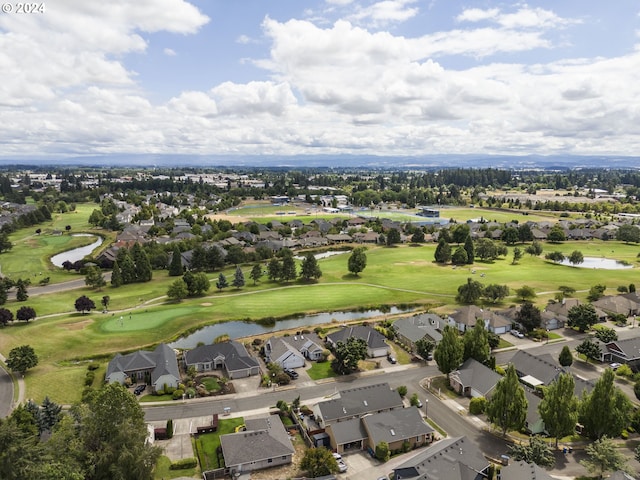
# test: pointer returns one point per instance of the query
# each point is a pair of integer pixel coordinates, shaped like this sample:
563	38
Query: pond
599	263
76	254
245	329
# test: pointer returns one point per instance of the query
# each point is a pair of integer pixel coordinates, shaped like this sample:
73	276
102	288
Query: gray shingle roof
348	431
416	327
233	354
395	425
373	338
359	401
477	376
524	471
542	367
161	361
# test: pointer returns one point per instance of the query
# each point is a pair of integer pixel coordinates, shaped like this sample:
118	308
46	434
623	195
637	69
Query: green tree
449	352
357	260
113	436
142	265
5	316
476	343
460	233
25	313
393	237
470	292
524	233
274	269
589	349
382	451
529	316
604	457
127	267
510	236
517	255
418	236
116	275
525	293
175	267
222	282
507	408
443	252
177	290
606	410
606	334
565	359
238	278
197	283
495	293
628	234
582	316
348	354
537	451
576	257
470	249
535	249
309	268
318	462
424	347
555	256
21	290
486	249
84	304
556	234
459	257
288	272
93	277
559	407
256	273
22	358
402	390
5	243
596	292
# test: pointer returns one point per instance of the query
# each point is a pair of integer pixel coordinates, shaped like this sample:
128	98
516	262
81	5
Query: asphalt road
6	393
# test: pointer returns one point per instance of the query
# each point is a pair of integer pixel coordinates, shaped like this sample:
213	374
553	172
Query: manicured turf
320	370
163	471
207	444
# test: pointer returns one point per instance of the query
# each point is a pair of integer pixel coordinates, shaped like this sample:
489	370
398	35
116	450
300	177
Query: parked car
419	404
139	389
517	333
292	373
342	467
391	359
337	456
614	366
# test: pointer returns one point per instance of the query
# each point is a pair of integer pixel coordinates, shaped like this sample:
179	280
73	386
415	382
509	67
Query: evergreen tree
274	269
565	358
127	267
309	268
459	257
357	260
449	352
214	258
116	275
443	252
175	267
199	258
94	278
143	269
238	278
476	343
21	292
537	451
288	266
559	407
222	282
256	273
470	292
468	246
507	408
606	410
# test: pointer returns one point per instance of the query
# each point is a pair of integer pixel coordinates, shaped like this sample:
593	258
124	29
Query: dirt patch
231	218
206	304
78	325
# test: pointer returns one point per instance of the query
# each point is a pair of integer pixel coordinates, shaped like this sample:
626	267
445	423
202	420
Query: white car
337	456
517	333
342	467
614	366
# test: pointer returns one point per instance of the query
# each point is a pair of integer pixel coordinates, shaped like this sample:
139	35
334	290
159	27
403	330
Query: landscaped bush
177	394
624	435
477	405
624	371
183	464
636	389
93	366
500	370
89	378
170	428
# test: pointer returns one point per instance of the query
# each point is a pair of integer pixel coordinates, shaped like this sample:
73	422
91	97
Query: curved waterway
76	254
245	329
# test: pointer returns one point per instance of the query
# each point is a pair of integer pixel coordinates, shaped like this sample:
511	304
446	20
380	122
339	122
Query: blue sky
297	77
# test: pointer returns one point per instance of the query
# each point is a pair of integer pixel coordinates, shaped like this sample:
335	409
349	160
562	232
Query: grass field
164	472
207	443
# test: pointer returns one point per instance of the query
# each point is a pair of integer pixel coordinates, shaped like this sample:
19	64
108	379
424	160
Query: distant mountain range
336	161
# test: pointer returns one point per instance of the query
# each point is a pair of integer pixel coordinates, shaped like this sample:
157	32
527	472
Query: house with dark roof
524	471
376	343
286	351
455	458
625	351
159	367
535	370
411	329
357	402
619	305
474	379
230	356
467	316
265	443
397	427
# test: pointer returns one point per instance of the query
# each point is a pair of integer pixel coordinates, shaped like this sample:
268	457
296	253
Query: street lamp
426	407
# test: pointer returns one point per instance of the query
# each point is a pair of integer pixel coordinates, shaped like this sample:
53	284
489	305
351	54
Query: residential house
619	305
474	379
308	344
455	458
265	443
159	368
376	344
357	402
556	314
467	316
396	427
619	475
623	351
230	356
535	370
533	422
411	329
279	350
525	471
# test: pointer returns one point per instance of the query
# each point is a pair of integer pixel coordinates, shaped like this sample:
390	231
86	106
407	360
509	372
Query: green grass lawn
321	370
211	384
206	444
164	472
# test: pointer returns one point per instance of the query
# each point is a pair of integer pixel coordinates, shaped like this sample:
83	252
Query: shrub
93	366
170	428
624	435
402	390
382	451
177	394
89	378
183	464
477	405
636	389
624	371
500	370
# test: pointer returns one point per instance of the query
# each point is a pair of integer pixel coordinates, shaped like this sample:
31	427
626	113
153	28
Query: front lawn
162	470
321	370
211	384
206	445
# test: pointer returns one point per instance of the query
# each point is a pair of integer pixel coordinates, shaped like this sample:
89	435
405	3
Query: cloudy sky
298	77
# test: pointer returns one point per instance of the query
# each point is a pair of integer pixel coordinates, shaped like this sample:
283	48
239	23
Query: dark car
391	359
139	389
292	373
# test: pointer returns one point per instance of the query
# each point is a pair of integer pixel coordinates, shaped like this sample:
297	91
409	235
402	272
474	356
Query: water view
599	263
244	329
76	254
